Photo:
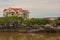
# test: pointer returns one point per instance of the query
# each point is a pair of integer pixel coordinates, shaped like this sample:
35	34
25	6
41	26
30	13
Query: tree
58	18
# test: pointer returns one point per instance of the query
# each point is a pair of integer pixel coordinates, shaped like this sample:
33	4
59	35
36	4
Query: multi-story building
16	12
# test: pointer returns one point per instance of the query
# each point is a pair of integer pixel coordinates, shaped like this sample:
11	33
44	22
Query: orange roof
17	9
25	10
5	9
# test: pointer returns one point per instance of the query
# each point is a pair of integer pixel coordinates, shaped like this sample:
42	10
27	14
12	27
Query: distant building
16	12
52	18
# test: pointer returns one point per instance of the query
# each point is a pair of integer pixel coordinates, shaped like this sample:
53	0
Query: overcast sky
37	8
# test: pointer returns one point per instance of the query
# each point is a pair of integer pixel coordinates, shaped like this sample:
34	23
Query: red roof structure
17	9
5	9
25	10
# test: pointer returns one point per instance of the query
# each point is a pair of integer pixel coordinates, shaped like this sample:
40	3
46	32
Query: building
52	18
16	12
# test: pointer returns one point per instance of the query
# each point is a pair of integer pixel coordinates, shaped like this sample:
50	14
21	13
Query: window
10	13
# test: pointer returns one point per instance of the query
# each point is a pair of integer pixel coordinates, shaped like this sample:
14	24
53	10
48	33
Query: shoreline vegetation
30	25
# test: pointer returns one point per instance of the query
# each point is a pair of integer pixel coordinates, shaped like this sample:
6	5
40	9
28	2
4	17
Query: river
29	36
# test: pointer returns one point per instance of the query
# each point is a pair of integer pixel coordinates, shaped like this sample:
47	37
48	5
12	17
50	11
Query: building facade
16	12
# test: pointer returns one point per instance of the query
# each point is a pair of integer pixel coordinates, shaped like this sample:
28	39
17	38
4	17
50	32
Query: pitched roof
17	9
5	9
25	10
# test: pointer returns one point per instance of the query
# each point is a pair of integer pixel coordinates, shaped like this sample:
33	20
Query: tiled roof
5	9
25	10
17	9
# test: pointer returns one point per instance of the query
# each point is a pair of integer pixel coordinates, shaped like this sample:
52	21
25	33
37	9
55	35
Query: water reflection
29	36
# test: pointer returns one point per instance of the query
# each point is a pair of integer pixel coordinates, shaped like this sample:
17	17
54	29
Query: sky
37	8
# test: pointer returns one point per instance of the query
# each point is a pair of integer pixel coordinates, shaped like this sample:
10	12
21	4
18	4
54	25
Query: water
29	36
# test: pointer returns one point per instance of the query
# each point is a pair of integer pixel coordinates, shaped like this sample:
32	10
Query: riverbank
29	29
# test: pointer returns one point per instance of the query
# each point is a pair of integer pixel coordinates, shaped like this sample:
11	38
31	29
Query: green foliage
58	18
26	22
13	19
57	22
39	21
